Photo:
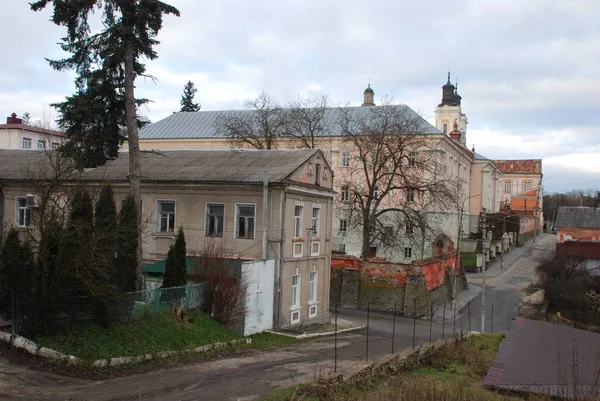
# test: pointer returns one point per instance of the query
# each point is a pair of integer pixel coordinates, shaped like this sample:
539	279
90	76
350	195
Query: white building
16	135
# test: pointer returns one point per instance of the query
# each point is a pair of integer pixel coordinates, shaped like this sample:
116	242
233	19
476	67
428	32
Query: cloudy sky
528	70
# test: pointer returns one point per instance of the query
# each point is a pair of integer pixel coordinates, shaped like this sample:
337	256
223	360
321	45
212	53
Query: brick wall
385	286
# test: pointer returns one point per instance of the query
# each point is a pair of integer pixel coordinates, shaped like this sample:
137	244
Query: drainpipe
265	211
1	214
281	250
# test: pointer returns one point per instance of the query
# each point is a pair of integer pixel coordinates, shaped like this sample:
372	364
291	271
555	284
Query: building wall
12	138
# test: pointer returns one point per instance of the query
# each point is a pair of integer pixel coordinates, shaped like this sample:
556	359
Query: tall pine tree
105	230
107	64
187	99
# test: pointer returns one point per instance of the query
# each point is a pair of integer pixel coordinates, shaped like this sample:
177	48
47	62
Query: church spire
449	94
368	96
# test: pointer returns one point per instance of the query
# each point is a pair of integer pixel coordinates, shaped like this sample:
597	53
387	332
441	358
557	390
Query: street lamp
457	254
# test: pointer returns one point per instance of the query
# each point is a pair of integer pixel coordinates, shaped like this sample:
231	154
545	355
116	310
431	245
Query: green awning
159	267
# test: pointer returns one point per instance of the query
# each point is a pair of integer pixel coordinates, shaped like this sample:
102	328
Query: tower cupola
368	96
449	94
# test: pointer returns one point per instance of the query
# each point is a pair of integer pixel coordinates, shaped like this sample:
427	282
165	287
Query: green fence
29	319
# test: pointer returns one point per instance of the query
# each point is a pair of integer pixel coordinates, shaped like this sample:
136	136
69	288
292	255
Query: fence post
156	300
469	312
430	318
14	313
414	320
444	321
188	290
394	329
335	341
492	329
368	313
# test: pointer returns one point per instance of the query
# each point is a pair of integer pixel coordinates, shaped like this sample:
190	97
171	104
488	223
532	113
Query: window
345	159
295	299
315	248
376	193
245	221
26	143
507	187
527	185
345	193
317	174
55	145
342	248
316	213
298	222
412	159
409	227
410	194
214	219
23	213
312	287
166	216
343	225
298	249
41	144
388	231
408	252
445	128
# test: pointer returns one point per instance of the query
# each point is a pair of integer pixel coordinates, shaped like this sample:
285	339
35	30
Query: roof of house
208	166
32	128
527	166
203	124
577	217
477	156
546	358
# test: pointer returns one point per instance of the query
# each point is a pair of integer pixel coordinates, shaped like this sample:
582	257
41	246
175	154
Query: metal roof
577	217
477	156
546	358
203	124
232	165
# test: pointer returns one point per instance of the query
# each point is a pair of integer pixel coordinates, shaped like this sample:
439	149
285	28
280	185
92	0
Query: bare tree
260	126
307	121
395	175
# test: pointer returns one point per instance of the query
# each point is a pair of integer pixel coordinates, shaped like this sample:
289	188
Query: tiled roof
528	166
545	358
232	165
203	124
577	217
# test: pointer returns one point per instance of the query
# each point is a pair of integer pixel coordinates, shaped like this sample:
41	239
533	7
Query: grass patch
269	340
160	332
454	373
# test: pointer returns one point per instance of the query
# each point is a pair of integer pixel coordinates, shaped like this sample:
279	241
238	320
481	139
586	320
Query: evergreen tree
126	252
107	64
81	217
17	271
187	99
175	265
105	230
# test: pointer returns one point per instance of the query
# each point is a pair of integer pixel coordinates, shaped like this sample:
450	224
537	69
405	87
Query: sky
528	70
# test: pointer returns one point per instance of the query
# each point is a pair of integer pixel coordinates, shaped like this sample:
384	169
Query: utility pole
503	233
483	306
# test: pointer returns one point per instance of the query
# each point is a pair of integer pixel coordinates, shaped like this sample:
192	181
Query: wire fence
29	319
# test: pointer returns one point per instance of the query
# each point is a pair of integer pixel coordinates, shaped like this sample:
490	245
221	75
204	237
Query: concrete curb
31	347
315	335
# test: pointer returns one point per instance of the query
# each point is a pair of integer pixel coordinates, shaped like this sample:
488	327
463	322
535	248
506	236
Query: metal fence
29	319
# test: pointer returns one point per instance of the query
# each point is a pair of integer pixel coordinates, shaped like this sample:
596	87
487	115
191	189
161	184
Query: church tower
368	96
449	111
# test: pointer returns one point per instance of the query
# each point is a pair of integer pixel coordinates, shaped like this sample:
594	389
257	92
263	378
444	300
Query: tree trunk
134	154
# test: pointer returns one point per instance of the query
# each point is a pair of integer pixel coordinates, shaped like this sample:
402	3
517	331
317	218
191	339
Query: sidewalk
462	299
499	267
319	330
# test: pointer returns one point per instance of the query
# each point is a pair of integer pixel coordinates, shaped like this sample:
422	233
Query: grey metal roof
233	166
203	124
546	358
577	217
477	156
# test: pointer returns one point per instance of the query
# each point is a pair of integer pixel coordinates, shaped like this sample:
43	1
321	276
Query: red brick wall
578	234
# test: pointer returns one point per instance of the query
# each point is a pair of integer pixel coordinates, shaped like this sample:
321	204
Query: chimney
455	134
13	119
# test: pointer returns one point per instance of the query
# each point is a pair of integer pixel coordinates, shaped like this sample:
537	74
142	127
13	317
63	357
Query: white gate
259	277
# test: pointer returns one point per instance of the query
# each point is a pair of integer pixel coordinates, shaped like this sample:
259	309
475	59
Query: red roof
32	128
528	166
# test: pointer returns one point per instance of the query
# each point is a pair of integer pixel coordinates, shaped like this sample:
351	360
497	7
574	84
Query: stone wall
383	286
